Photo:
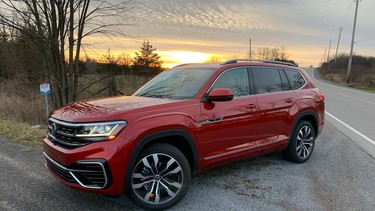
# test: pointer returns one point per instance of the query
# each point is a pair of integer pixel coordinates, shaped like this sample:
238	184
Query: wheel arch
177	138
309	116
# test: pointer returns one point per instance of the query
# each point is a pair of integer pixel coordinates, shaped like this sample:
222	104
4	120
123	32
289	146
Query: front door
229	129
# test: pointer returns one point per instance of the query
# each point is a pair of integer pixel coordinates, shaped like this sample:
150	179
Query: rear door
275	100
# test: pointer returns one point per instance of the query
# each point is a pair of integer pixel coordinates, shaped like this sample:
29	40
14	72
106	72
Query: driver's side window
236	80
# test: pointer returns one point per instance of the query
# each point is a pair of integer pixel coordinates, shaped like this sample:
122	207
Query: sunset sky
194	30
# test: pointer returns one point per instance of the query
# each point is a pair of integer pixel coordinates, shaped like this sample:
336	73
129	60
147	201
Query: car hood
104	109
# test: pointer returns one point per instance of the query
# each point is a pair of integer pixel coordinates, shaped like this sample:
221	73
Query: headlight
107	130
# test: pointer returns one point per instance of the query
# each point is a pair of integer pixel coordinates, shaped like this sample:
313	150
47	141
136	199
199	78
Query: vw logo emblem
54	129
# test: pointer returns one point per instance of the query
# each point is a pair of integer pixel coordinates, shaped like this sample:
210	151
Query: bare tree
264	53
109	67
58	27
213	59
283	53
276	53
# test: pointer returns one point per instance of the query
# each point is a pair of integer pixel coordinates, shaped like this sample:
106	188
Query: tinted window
295	78
267	80
284	80
236	80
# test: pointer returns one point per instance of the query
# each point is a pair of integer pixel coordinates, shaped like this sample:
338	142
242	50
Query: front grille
92	174
63	134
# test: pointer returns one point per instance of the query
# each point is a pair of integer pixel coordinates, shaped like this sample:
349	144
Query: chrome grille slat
61	172
63	134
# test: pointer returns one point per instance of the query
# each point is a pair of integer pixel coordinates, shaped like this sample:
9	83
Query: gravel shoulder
338	176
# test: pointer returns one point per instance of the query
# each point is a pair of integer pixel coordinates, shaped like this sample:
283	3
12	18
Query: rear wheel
160	177
301	144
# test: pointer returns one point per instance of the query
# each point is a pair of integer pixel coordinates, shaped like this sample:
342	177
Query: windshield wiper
152	95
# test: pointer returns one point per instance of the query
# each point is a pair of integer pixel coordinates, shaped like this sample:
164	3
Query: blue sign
45	89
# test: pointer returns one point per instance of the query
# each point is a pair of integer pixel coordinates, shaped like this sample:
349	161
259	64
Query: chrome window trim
299	72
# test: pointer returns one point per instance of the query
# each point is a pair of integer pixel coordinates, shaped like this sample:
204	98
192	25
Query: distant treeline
362	73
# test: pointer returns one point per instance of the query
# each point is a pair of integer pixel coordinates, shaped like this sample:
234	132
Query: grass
23	133
21	106
21	102
339	79
363	88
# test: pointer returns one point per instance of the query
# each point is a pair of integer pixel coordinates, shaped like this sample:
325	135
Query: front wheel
160	178
301	144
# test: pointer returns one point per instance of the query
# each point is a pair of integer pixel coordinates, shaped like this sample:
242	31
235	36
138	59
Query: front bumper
98	167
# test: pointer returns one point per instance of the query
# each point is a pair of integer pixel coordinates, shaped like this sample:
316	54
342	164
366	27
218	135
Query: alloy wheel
157	178
305	142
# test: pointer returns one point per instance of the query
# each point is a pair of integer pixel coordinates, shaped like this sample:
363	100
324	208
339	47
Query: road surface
338	176
351	111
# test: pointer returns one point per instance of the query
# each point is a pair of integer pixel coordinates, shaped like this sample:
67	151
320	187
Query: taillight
321	97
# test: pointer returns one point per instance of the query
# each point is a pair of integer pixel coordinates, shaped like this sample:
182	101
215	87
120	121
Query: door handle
289	100
250	106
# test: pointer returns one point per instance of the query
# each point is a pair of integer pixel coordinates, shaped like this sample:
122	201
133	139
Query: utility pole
351	47
325	54
250	49
338	43
329	49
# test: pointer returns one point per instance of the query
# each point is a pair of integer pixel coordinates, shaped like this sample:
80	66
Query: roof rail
258	60
180	65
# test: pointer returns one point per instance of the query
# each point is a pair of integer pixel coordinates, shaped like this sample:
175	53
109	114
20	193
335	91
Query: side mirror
220	94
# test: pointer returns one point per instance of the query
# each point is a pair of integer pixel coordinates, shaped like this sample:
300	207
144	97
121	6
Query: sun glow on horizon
173	58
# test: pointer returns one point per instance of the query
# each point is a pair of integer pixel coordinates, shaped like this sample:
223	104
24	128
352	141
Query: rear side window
267	80
285	81
295	78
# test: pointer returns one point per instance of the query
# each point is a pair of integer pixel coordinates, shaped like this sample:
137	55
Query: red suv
186	120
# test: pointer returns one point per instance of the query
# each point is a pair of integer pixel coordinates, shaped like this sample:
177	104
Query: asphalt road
351	111
338	176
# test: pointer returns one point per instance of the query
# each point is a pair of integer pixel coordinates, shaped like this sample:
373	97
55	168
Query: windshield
176	84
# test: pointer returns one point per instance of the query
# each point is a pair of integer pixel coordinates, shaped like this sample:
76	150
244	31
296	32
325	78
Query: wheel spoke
147	164
309	140
300	134
156	161
299	148
157	193
305	151
141	176
148	194
139	185
172	183
308	132
308	144
169	163
299	138
169	191
174	171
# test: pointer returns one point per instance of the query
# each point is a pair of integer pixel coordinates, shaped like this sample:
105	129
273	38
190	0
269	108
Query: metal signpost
45	89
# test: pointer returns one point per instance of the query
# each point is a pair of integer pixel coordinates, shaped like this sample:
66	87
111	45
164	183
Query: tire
160	177
301	144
